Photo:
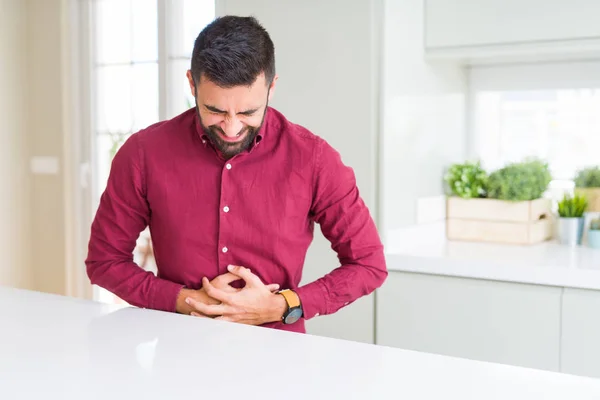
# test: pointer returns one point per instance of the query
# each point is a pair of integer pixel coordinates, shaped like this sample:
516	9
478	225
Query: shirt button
228	166
226	209
225	249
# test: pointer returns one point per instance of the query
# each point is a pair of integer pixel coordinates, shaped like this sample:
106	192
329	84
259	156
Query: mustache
218	129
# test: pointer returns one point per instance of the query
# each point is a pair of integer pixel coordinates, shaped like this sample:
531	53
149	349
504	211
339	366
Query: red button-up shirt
257	209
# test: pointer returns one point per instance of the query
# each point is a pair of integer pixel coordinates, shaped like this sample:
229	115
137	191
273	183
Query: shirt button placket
225	209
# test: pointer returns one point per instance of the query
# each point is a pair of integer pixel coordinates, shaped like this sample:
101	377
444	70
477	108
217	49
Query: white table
54	347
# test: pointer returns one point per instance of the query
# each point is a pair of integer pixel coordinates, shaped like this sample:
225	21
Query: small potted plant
570	222
594	234
467	180
587	183
524	181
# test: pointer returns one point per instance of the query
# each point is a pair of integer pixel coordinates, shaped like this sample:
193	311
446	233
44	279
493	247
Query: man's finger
214	292
208	309
230	289
225	279
195	314
273	287
246	275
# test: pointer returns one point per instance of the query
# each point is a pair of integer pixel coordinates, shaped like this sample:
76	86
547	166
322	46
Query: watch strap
292	299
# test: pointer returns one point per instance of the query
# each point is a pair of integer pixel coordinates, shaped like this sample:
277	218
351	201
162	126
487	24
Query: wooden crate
593	196
497	221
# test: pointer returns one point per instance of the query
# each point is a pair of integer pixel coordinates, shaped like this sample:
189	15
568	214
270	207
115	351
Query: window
547	111
141	50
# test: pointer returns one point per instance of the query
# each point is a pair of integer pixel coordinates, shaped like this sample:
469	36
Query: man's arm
346	222
123	213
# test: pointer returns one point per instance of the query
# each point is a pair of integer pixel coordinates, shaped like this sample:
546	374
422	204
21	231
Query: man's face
231	117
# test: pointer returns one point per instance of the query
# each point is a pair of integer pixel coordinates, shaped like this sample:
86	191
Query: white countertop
54	347
424	249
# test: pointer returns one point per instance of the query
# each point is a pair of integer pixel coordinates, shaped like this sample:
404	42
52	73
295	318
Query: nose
232	126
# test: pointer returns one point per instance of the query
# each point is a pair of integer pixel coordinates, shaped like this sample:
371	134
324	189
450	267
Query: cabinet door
463	23
482	320
580	341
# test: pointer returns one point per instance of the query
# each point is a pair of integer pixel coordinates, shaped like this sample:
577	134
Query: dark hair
233	51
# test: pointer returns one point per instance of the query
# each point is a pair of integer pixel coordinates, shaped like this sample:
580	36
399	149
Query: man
231	191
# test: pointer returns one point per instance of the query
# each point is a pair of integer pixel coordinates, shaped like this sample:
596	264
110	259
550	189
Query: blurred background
409	91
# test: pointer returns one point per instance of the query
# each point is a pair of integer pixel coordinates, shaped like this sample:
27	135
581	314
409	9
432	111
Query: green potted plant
506	206
467	180
587	183
522	181
570	222
594	233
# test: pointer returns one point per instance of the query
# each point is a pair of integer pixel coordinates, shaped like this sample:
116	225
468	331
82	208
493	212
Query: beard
229	149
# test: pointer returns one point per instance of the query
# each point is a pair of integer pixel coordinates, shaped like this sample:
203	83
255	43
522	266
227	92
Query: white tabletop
424	249
60	348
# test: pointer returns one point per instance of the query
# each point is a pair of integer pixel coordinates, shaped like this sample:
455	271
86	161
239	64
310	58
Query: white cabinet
471	25
493	321
580	339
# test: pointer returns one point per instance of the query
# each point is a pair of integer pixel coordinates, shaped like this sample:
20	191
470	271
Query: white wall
327	62
32	115
14	176
46	139
423	128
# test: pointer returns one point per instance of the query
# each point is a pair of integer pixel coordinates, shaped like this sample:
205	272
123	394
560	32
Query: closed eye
215	110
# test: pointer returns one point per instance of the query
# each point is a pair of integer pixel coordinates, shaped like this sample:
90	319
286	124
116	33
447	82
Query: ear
272	87
191	82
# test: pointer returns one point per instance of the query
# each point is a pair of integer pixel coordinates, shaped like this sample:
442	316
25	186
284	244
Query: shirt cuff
314	299
165	295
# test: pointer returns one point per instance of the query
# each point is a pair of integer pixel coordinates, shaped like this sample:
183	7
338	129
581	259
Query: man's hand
221	282
255	304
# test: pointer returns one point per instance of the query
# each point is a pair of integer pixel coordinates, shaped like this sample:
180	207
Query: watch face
293	316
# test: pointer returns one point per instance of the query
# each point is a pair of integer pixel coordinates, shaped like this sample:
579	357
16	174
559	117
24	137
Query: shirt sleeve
122	215
346	222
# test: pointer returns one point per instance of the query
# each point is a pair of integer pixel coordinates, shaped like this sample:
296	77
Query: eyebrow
216	110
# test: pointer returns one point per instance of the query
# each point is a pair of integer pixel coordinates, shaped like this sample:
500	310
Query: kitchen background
445	109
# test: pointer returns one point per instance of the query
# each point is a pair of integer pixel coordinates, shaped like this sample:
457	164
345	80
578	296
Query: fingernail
194	314
188	300
230	268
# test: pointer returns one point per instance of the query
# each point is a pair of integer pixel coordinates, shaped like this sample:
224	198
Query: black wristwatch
294	311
